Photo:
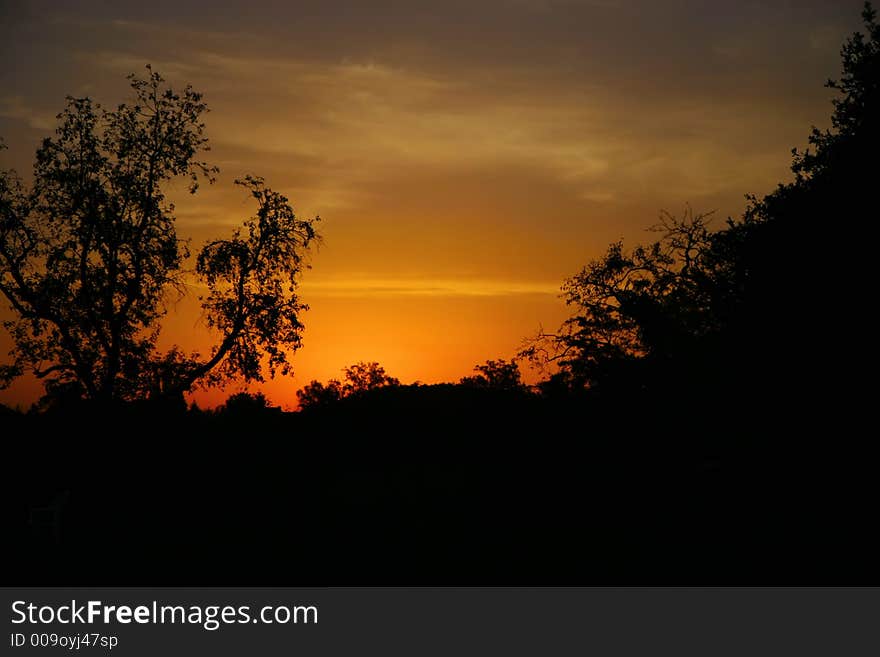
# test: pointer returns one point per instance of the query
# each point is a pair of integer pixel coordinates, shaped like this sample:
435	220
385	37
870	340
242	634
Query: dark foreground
433	485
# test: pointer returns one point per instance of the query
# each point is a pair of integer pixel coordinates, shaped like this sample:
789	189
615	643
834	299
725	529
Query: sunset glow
461	168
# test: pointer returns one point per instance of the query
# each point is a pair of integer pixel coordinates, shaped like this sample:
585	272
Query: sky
464	157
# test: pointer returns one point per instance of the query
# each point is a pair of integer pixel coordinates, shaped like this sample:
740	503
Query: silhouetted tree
246	403
855	124
362	377
58	396
739	310
89	254
630	304
495	375
795	260
317	394
359	378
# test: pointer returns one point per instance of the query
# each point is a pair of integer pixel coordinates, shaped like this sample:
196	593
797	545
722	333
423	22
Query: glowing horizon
464	160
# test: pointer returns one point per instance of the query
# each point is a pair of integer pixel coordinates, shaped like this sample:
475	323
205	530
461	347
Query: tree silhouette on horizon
760	311
89	255
358	379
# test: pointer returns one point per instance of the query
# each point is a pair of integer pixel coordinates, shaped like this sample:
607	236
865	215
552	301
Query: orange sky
464	159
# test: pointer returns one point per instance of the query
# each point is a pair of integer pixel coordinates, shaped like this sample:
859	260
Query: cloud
363	285
595	110
15	107
366	287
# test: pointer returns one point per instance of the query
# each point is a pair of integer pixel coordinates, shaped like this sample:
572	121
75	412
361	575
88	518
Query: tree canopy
89	255
358	379
774	292
495	375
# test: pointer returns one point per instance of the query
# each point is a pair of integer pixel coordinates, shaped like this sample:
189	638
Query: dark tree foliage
359	378
247	404
632	304
316	394
854	122
252	278
89	255
757	312
362	377
496	375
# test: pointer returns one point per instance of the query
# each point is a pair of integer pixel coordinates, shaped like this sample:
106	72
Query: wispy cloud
384	287
15	107
348	122
366	286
